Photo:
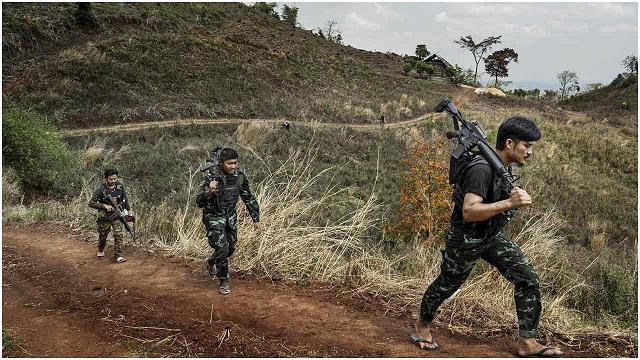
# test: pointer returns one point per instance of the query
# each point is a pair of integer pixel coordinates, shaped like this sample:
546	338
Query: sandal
541	353
421	343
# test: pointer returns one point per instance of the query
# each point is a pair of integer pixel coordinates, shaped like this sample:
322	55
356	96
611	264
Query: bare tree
331	32
478	50
568	83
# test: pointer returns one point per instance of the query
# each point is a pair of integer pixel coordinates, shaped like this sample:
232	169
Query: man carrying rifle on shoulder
219	193
111	200
485	198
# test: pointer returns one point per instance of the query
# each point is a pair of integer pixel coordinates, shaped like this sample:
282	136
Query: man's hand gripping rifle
121	214
213	165
470	135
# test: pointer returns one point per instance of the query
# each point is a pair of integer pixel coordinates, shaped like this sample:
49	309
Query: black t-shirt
478	180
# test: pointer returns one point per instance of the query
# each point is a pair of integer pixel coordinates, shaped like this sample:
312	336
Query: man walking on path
218	197
114	189
475	203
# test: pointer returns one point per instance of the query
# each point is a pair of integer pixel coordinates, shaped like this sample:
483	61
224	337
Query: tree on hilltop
331	32
568	83
268	8
290	14
630	63
496	63
478	50
422	52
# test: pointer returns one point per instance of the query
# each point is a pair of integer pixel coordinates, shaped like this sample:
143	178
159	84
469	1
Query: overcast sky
591	39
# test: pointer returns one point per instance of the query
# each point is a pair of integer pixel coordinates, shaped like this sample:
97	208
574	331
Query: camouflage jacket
223	200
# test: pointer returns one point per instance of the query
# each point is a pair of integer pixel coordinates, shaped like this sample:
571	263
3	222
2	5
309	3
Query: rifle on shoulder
470	135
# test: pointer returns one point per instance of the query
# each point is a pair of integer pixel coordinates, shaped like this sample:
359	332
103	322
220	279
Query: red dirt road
60	301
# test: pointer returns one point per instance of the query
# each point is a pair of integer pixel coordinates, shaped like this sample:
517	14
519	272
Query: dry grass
11	189
99	151
289	247
292	247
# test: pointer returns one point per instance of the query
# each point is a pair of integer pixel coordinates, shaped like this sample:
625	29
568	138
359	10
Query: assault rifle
213	165
470	134
121	214
214	161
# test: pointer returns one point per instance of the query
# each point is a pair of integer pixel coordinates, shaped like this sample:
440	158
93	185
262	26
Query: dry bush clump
11	189
99	151
253	133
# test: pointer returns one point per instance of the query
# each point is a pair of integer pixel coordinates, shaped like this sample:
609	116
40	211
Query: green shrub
33	148
9	341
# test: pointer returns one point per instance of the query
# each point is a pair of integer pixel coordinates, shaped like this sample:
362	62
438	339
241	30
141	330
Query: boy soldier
475	203
218	197
114	188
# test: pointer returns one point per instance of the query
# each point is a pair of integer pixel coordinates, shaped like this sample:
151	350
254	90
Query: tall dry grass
11	188
291	246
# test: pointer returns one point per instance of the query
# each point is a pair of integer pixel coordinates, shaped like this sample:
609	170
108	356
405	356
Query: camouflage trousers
222	237
104	228
460	255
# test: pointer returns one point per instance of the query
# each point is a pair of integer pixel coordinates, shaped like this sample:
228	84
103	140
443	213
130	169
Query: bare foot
529	346
424	333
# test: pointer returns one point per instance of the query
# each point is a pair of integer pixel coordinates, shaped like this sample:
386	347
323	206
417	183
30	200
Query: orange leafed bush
425	205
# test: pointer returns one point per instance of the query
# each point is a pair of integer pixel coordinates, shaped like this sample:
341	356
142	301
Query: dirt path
459	99
60	301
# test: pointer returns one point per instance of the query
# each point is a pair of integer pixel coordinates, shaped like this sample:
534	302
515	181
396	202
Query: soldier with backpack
218	196
479	200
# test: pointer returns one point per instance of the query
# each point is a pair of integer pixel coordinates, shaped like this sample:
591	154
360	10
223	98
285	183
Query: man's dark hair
517	128
110	172
228	154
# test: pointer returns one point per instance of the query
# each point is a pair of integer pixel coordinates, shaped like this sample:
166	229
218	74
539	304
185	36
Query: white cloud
535	31
403	35
609	9
619	28
358	21
482	10
567	26
443	17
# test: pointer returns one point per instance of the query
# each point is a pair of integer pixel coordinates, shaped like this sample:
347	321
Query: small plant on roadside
9	341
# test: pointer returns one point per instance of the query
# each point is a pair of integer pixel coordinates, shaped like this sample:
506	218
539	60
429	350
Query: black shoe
211	269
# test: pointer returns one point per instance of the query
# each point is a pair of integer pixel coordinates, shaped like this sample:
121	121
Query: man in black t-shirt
475	203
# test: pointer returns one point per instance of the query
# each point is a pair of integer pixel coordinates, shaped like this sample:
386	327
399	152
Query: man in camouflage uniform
475	202
218	197
111	186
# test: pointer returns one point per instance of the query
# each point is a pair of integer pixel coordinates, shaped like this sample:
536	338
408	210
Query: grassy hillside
326	193
616	103
149	61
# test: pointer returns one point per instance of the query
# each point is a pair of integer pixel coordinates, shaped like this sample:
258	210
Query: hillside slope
151	61
616	103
